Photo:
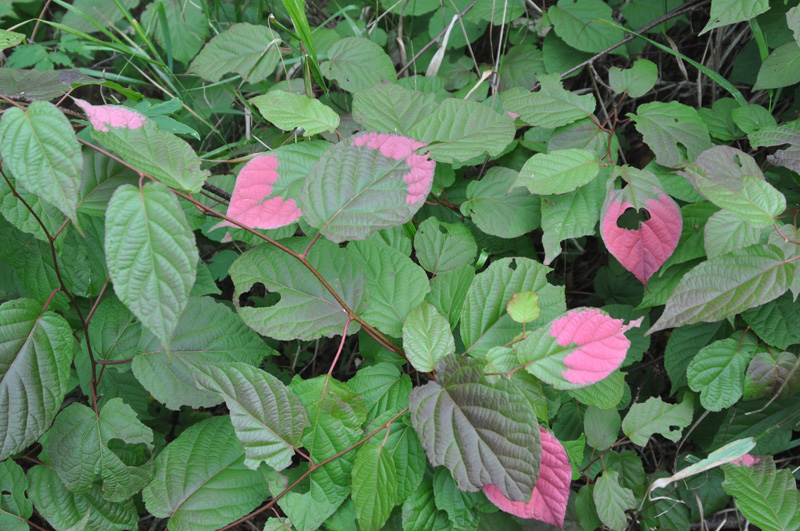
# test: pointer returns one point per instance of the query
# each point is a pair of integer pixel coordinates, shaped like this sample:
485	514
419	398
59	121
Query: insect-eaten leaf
551	492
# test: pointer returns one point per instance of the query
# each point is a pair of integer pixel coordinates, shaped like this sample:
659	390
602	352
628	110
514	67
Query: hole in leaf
683	151
443	229
630	219
259	297
5	492
512	265
130	454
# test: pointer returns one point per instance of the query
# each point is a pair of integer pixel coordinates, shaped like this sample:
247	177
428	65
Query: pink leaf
746	460
644	250
104	116
551	492
601	345
420	174
251	204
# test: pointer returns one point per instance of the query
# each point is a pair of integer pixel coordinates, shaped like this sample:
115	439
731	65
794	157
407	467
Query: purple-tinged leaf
578	349
641	251
551	493
484	434
251	203
724	286
366	183
768	373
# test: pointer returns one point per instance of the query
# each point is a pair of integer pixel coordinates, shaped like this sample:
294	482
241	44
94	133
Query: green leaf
732	179
250	51
186	31
717	371
656	416
524	307
498	210
459	130
427	337
725	232
601	427
15	211
521	66
635	81
558	172
356	63
306	309
449	291
551	107
208	333
504	360
374	485
451	411
364	184
605	394
39	146
99	11
777	322
485	322
9	39
570	215
64	509
420	512
768	373
674	131
612	500
581	26
15	507
101	176
767	497
82	446
201	482
383	389
768	420
267	417
456	503
726	12
442	247
151	255
36	351
157	153
288	111
741	280
408	456
389	108
395	285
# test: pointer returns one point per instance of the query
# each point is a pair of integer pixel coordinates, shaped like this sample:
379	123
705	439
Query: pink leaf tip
548	502
600	344
644	250
421	168
251	204
104	116
746	460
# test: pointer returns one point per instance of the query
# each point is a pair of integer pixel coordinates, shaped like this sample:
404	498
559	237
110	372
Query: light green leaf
780	69
390	108
612	500
656	416
585	134
485	322
558	172
427	337
459	130
793	21
186	31
636	81
570	215
601	427
250	51
725	232
201	482
155	152
288	111
717	371
674	131
9	39
39	146
724	286
356	63
442	247
498	210
395	285
208	333
36	351
605	394
81	448
306	309
580	24
65	509
524	307
732	180
521	66
551	107
408	456
15	507
726	12
449	291
384	391
151	255
451	412
751	118
101	176
767	497
267	417
374	485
